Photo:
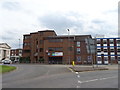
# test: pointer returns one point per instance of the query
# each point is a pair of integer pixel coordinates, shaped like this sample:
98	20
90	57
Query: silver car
7	61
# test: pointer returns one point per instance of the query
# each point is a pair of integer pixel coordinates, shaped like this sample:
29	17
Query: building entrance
55	60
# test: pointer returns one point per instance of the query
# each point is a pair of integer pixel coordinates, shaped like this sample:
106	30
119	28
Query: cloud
61	21
25	16
14	6
98	21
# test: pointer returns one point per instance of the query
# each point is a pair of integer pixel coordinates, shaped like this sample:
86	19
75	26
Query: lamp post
68	46
19	43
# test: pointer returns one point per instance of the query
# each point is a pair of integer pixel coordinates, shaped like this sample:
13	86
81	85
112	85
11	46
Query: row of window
108	44
105	41
106	53
108	47
56	49
106	50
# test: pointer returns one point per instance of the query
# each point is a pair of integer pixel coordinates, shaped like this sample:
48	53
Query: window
98	50
118	58
99	53
112	47
111	41
26	51
58	49
112	53
70	48
104	44
51	49
112	57
118	41
25	44
55	49
111	44
36	42
78	44
55	40
26	37
41	33
41	41
98	44
105	53
71	40
105	41
105	50
98	41
111	50
41	49
118	50
78	50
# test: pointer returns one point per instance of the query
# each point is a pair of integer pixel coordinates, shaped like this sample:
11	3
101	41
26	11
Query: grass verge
5	68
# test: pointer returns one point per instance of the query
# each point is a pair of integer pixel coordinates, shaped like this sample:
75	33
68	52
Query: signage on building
57	54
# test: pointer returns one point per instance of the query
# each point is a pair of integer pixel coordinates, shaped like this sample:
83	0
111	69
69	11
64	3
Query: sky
81	17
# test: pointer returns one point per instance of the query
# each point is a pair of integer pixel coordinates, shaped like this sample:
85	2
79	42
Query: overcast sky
18	17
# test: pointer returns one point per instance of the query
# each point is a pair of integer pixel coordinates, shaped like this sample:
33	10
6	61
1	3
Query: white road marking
96	79
89	80
78	86
78	76
79	81
76	72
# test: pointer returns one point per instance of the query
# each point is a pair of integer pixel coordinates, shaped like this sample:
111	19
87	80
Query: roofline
107	38
40	31
69	36
5	44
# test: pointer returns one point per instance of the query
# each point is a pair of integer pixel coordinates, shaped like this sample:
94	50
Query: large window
78	44
78	50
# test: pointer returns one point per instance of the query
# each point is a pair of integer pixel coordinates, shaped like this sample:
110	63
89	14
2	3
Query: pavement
83	68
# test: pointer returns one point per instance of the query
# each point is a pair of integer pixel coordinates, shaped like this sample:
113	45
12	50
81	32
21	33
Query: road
58	76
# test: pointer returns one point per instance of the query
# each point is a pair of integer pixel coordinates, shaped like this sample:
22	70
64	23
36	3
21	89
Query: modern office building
57	49
108	50
4	51
15	54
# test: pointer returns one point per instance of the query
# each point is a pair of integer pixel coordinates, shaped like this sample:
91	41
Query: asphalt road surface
58	76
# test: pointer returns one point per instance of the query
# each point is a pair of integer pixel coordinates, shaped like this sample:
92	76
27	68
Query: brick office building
108	50
56	49
15	54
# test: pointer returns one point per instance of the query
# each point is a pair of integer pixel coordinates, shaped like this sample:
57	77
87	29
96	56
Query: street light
19	43
68	45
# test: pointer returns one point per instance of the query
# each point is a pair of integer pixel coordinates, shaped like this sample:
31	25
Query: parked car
6	61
